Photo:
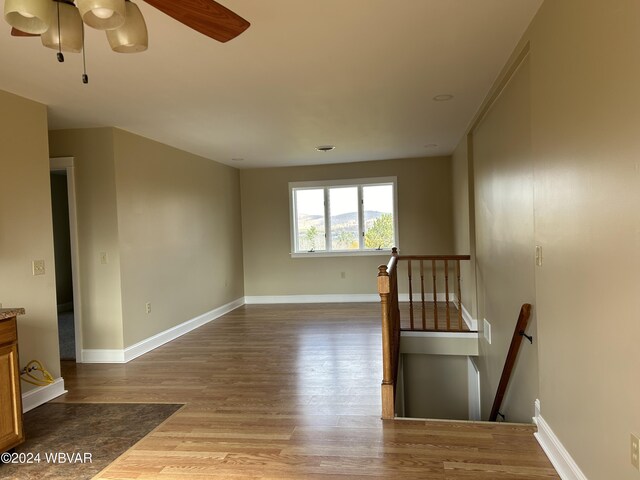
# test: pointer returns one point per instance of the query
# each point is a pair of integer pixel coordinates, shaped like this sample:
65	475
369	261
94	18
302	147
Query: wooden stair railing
516	340
438	312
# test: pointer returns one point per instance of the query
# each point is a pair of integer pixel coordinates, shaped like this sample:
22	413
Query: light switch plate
38	267
487	331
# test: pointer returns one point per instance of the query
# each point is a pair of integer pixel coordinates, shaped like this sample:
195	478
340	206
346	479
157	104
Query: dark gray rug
77	441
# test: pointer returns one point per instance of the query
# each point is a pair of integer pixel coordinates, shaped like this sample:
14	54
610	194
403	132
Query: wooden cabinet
11	433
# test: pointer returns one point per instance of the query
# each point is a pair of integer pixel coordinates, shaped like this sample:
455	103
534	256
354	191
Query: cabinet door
10	400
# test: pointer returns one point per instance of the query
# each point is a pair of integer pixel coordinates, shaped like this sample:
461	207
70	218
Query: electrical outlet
147	307
38	267
103	258
487	331
635	453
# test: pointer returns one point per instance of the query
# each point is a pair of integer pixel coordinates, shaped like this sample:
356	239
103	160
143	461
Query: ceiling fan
59	23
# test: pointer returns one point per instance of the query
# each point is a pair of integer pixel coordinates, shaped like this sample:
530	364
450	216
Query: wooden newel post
388	408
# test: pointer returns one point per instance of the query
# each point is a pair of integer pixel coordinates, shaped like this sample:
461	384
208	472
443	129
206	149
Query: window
343	217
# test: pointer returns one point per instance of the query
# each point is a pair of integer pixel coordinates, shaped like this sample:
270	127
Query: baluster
446	293
435	295
410	298
424	315
459	293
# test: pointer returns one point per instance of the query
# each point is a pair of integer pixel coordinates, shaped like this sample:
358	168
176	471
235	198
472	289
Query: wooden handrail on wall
441	311
516	340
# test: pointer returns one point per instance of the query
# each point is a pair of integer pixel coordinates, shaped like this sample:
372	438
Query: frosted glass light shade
70	35
29	16
132	36
102	14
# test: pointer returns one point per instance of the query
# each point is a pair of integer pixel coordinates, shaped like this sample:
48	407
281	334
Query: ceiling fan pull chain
60	55
85	77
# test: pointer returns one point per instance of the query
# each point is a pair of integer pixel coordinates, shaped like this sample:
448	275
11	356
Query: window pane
309	219
343	206
378	216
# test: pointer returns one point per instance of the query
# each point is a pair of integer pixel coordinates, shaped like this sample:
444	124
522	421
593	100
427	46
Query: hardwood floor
291	392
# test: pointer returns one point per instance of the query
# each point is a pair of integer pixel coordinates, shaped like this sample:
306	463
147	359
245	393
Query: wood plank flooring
291	392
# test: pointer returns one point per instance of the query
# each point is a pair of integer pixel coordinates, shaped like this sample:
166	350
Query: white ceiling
359	74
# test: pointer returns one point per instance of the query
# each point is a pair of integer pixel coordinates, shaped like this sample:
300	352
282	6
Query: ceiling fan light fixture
69	38
102	14
29	16
132	36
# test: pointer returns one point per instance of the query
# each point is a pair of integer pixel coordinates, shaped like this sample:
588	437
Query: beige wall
463	225
435	386
584	112
179	232
97	232
170	224
505	244
26	232
424	216
585	116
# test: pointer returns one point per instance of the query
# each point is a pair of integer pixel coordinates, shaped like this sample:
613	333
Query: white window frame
326	185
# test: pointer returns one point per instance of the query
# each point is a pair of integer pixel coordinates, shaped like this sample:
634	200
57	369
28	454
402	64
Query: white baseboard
102	355
328	298
140	348
151	343
36	397
560	458
339	298
471	322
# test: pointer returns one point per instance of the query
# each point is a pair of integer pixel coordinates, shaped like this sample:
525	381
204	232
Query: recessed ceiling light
443	97
325	148
237	159
431	145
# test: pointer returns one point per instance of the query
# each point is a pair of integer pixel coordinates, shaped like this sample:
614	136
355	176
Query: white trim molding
324	298
348	298
423	334
471	322
560	458
151	343
102	355
36	397
148	344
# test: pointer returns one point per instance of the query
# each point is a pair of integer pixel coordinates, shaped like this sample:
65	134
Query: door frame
66	164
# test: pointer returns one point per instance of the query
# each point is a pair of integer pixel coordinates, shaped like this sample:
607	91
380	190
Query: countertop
10	312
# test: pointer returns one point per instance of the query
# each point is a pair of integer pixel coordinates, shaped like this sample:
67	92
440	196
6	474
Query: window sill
355	253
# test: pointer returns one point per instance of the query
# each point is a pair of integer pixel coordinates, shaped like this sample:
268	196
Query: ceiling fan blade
205	16
19	33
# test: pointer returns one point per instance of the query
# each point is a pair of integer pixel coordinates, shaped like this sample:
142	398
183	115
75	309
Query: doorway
65	251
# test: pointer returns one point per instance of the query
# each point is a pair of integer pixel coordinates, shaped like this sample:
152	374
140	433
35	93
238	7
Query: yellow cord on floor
43	379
